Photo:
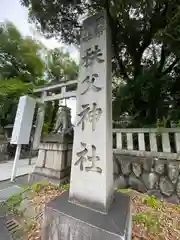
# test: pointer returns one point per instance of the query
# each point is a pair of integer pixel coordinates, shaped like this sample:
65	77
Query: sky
12	10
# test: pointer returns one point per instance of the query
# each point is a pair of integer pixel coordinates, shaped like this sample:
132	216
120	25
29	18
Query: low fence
148	142
148	160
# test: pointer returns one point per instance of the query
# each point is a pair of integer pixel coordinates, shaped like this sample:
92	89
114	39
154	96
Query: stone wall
155	176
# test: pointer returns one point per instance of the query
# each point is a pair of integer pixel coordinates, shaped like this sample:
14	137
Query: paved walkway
22	168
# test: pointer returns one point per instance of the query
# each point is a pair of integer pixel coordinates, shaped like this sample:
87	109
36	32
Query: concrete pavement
22	168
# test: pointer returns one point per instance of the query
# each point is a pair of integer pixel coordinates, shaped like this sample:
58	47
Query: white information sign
23	121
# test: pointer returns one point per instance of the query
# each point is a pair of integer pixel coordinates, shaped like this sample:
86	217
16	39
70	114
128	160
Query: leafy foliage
10	91
36	187
12	205
145	41
19	56
148	220
21	68
152	201
61	66
65	187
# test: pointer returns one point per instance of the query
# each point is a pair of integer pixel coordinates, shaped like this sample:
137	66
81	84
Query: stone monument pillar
91	210
92	163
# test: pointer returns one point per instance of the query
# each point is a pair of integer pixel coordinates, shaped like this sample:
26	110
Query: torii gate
66	89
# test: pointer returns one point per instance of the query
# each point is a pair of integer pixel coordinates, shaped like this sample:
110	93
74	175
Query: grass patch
65	187
125	190
12	204
152	219
151	222
38	186
152	201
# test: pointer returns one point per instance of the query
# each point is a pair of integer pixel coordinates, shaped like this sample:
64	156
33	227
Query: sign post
16	158
22	127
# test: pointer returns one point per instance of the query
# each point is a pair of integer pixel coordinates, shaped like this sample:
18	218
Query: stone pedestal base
66	221
54	158
62	176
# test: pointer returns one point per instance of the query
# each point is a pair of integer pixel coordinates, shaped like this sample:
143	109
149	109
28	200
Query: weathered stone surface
69	157
58	161
178	187
172	199
116	167
63	220
173	171
150	180
166	186
63	119
136	183
91	180
148	164
41	158
53	174
159	167
49	160
137	169
121	182
126	167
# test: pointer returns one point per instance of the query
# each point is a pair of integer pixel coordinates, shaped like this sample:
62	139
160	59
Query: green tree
145	41
21	69
60	66
19	56
10	91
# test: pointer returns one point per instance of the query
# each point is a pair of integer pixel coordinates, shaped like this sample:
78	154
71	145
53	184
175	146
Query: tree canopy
10	91
60	65
19	56
24	64
145	43
21	68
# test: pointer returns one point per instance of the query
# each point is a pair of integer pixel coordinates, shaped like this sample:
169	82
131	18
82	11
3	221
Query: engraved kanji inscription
84	115
86	34
91	55
89	32
81	155
91	114
82	158
94	115
90	81
100	27
93	159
